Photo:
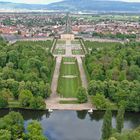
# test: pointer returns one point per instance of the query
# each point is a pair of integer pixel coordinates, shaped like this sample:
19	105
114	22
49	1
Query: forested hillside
25	73
114	71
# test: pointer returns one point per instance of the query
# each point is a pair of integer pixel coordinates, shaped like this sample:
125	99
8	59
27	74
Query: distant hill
95	5
78	5
20	6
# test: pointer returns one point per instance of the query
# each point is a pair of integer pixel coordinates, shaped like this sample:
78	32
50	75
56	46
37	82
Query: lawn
69	78
77	52
59	51
68	102
61	42
75	42
100	45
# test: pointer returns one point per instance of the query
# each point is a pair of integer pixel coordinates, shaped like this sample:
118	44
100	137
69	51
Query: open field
98	45
69	78
116	17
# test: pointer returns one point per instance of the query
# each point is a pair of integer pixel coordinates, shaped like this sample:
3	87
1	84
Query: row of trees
110	133
115	36
114	71
25	66
12	128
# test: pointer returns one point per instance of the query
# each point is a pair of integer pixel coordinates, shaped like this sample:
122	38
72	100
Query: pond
73	125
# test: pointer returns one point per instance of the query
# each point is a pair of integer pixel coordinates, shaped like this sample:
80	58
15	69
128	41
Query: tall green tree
37	103
107	125
35	131
82	95
13	122
120	119
25	97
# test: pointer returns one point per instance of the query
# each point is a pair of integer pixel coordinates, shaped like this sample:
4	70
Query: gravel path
56	75
82	72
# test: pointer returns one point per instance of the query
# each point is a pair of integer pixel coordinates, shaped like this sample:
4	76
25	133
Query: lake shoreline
39	110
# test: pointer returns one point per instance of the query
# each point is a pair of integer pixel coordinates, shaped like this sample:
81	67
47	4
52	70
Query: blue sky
49	1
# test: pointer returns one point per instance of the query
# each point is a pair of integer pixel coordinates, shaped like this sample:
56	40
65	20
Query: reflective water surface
73	125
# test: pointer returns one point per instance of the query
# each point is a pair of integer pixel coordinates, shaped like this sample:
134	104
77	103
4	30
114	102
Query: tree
134	72
82	95
128	135
120	119
37	103
35	131
107	125
13	122
3	57
3	101
25	97
96	87
99	101
5	134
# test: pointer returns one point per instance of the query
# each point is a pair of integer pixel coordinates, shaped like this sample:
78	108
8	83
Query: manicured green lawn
68	59
75	42
68	102
59	51
77	52
67	86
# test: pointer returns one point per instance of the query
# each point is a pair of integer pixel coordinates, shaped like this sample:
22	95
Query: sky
32	1
48	1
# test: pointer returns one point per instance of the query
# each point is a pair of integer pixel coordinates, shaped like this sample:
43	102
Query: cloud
32	1
50	1
131	0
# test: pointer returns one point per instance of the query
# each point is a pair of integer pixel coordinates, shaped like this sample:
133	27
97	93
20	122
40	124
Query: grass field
68	102
61	42
77	52
75	42
67	86
100	45
59	51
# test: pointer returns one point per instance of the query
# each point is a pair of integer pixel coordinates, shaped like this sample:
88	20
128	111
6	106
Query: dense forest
25	74
114	71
